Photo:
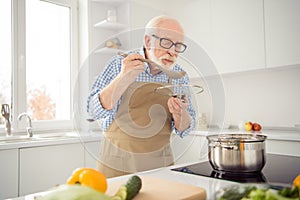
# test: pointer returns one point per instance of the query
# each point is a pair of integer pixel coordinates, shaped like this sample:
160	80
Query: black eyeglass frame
171	42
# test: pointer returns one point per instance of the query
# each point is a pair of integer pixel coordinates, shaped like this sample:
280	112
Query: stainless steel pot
237	152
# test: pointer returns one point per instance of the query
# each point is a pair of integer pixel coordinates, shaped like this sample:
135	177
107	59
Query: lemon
248	126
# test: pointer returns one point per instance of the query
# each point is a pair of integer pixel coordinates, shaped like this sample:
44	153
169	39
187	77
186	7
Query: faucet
5	111
29	127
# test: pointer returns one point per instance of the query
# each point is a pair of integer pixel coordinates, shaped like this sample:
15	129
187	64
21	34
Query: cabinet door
237	35
91	154
283	147
9	173
188	149
44	167
195	17
282	22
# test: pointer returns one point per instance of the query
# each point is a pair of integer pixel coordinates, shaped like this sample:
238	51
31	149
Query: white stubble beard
159	60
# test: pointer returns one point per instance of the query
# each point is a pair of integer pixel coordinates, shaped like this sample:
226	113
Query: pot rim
237	137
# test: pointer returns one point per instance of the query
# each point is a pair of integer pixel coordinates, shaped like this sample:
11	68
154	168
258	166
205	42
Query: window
48	60
42	63
5	54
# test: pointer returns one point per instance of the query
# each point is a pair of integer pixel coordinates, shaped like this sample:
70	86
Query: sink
14	139
56	135
38	137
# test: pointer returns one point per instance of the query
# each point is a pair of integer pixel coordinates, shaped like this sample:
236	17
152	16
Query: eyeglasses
167	44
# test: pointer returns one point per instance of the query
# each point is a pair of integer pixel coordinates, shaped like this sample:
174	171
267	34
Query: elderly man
138	121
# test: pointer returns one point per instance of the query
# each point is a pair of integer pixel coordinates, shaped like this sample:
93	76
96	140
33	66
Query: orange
89	177
296	181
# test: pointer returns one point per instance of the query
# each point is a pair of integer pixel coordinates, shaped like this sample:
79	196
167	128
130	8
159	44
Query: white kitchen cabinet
9	173
237	35
284	147
191	148
243	35
282	29
195	17
231	32
91	154
44	167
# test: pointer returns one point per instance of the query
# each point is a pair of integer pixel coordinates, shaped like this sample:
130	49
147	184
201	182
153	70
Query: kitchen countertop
55	138
287	135
211	185
284	135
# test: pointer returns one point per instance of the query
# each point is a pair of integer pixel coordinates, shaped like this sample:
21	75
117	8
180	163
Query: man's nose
172	51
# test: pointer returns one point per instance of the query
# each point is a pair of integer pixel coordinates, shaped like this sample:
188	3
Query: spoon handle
171	74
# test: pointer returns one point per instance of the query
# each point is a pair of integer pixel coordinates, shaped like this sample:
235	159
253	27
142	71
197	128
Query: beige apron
139	137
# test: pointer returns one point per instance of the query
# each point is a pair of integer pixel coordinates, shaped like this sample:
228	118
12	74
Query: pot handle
218	144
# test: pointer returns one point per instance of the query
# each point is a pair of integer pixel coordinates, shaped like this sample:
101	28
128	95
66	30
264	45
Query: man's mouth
166	61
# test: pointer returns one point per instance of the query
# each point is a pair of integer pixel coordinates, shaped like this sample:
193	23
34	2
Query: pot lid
237	138
179	90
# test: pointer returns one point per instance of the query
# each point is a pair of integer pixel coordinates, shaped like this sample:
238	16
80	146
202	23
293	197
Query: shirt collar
143	53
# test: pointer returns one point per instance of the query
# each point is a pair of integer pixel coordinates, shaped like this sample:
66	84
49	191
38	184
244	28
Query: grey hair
151	26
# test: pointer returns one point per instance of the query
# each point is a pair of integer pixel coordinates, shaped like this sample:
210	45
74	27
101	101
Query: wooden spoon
170	73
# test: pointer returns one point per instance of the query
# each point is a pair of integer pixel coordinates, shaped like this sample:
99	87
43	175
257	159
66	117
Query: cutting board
157	188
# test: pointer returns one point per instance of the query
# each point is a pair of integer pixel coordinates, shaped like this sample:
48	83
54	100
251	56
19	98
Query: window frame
19	66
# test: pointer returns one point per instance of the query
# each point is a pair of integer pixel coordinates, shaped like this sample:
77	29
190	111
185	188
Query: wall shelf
110	2
106	50
110	25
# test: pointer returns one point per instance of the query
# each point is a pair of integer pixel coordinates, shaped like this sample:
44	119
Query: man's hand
176	106
180	114
132	67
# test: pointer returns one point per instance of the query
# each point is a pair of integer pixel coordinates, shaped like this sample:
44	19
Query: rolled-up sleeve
192	124
190	110
94	106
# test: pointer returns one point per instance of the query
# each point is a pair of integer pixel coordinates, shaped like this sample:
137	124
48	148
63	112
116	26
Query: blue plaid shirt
113	68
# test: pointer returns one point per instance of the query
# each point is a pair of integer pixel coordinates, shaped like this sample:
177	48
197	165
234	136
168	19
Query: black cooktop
278	169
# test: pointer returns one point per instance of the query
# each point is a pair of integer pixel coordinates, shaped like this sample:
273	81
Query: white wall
270	97
267	96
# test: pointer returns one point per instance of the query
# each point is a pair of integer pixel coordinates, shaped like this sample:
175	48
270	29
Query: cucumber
133	185
130	189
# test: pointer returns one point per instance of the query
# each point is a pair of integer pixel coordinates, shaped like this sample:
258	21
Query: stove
278	169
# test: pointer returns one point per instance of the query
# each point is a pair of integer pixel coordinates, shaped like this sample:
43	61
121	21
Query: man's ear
147	40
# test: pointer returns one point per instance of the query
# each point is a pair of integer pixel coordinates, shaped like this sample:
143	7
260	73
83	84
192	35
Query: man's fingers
133	57
136	63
